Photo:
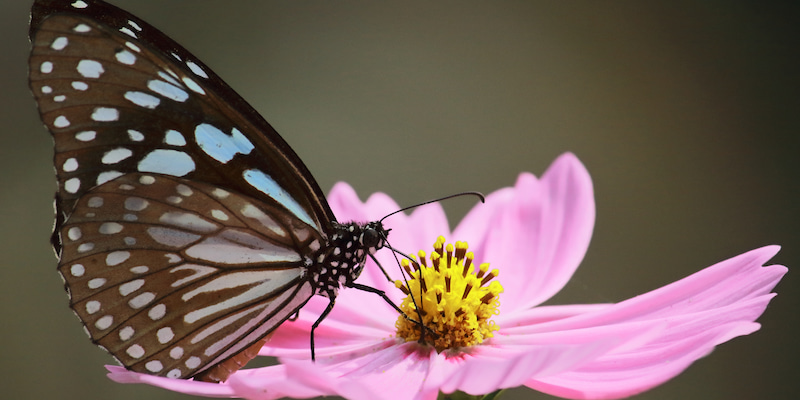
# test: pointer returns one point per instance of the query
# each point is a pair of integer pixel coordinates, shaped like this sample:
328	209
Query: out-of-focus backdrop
685	113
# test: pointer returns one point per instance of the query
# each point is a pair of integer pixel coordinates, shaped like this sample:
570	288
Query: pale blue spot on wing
268	186
219	145
168	162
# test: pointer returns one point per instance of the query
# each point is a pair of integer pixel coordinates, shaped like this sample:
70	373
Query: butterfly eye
371	237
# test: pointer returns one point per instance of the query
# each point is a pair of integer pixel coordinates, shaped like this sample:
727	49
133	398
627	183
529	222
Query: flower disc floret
455	301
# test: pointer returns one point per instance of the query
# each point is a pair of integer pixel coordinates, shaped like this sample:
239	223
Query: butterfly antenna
452	196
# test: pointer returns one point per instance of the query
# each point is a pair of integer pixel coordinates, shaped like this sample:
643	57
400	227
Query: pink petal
509	365
206	389
726	283
535	234
396	372
698	312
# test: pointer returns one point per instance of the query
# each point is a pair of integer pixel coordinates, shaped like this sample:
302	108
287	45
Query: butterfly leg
391	303
319	320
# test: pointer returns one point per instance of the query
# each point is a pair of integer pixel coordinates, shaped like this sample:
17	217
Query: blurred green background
685	113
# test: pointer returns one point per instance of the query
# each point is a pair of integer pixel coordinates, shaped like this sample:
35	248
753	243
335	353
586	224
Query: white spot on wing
83	248
71	164
110	228
136	203
141	300
184	190
90	68
176	353
46	67
133	47
135	351
157	312
78	85
60	43
72	185
86	136
125	57
140	269
61	122
219	145
193	85
104	322
169	162
174	138
165	335
220	193
82	28
105	114
108	176
143	99
167	90
95	202
154	366
74	233
77	270
127	31
116	155
196	69
92	306
193	362
96	283
135	135
126	333
130	287
219	214
79	4
117	257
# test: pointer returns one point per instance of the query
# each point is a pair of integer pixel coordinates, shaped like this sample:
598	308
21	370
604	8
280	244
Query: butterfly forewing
120	97
173	276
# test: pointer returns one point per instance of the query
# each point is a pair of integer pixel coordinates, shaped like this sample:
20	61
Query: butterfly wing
173	277
124	102
119	96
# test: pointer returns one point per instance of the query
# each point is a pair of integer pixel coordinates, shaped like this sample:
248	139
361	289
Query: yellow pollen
455	302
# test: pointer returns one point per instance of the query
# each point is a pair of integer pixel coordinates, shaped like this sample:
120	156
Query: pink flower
535	234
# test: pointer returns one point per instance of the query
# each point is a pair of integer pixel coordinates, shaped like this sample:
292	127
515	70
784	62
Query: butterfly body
187	229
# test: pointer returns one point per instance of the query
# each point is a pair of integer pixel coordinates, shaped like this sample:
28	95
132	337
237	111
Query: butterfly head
373	236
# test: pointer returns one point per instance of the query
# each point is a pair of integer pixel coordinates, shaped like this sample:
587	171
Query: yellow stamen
455	303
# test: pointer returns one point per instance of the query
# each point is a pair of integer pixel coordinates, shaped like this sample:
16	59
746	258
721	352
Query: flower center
455	302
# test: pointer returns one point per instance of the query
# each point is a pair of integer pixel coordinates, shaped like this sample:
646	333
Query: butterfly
187	229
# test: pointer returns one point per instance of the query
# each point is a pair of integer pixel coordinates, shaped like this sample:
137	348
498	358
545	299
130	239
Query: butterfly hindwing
140	247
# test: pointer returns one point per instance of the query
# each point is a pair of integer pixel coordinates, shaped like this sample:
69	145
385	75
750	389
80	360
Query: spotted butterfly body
186	228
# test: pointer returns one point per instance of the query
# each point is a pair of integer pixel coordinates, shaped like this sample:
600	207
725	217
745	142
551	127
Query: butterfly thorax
342	263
